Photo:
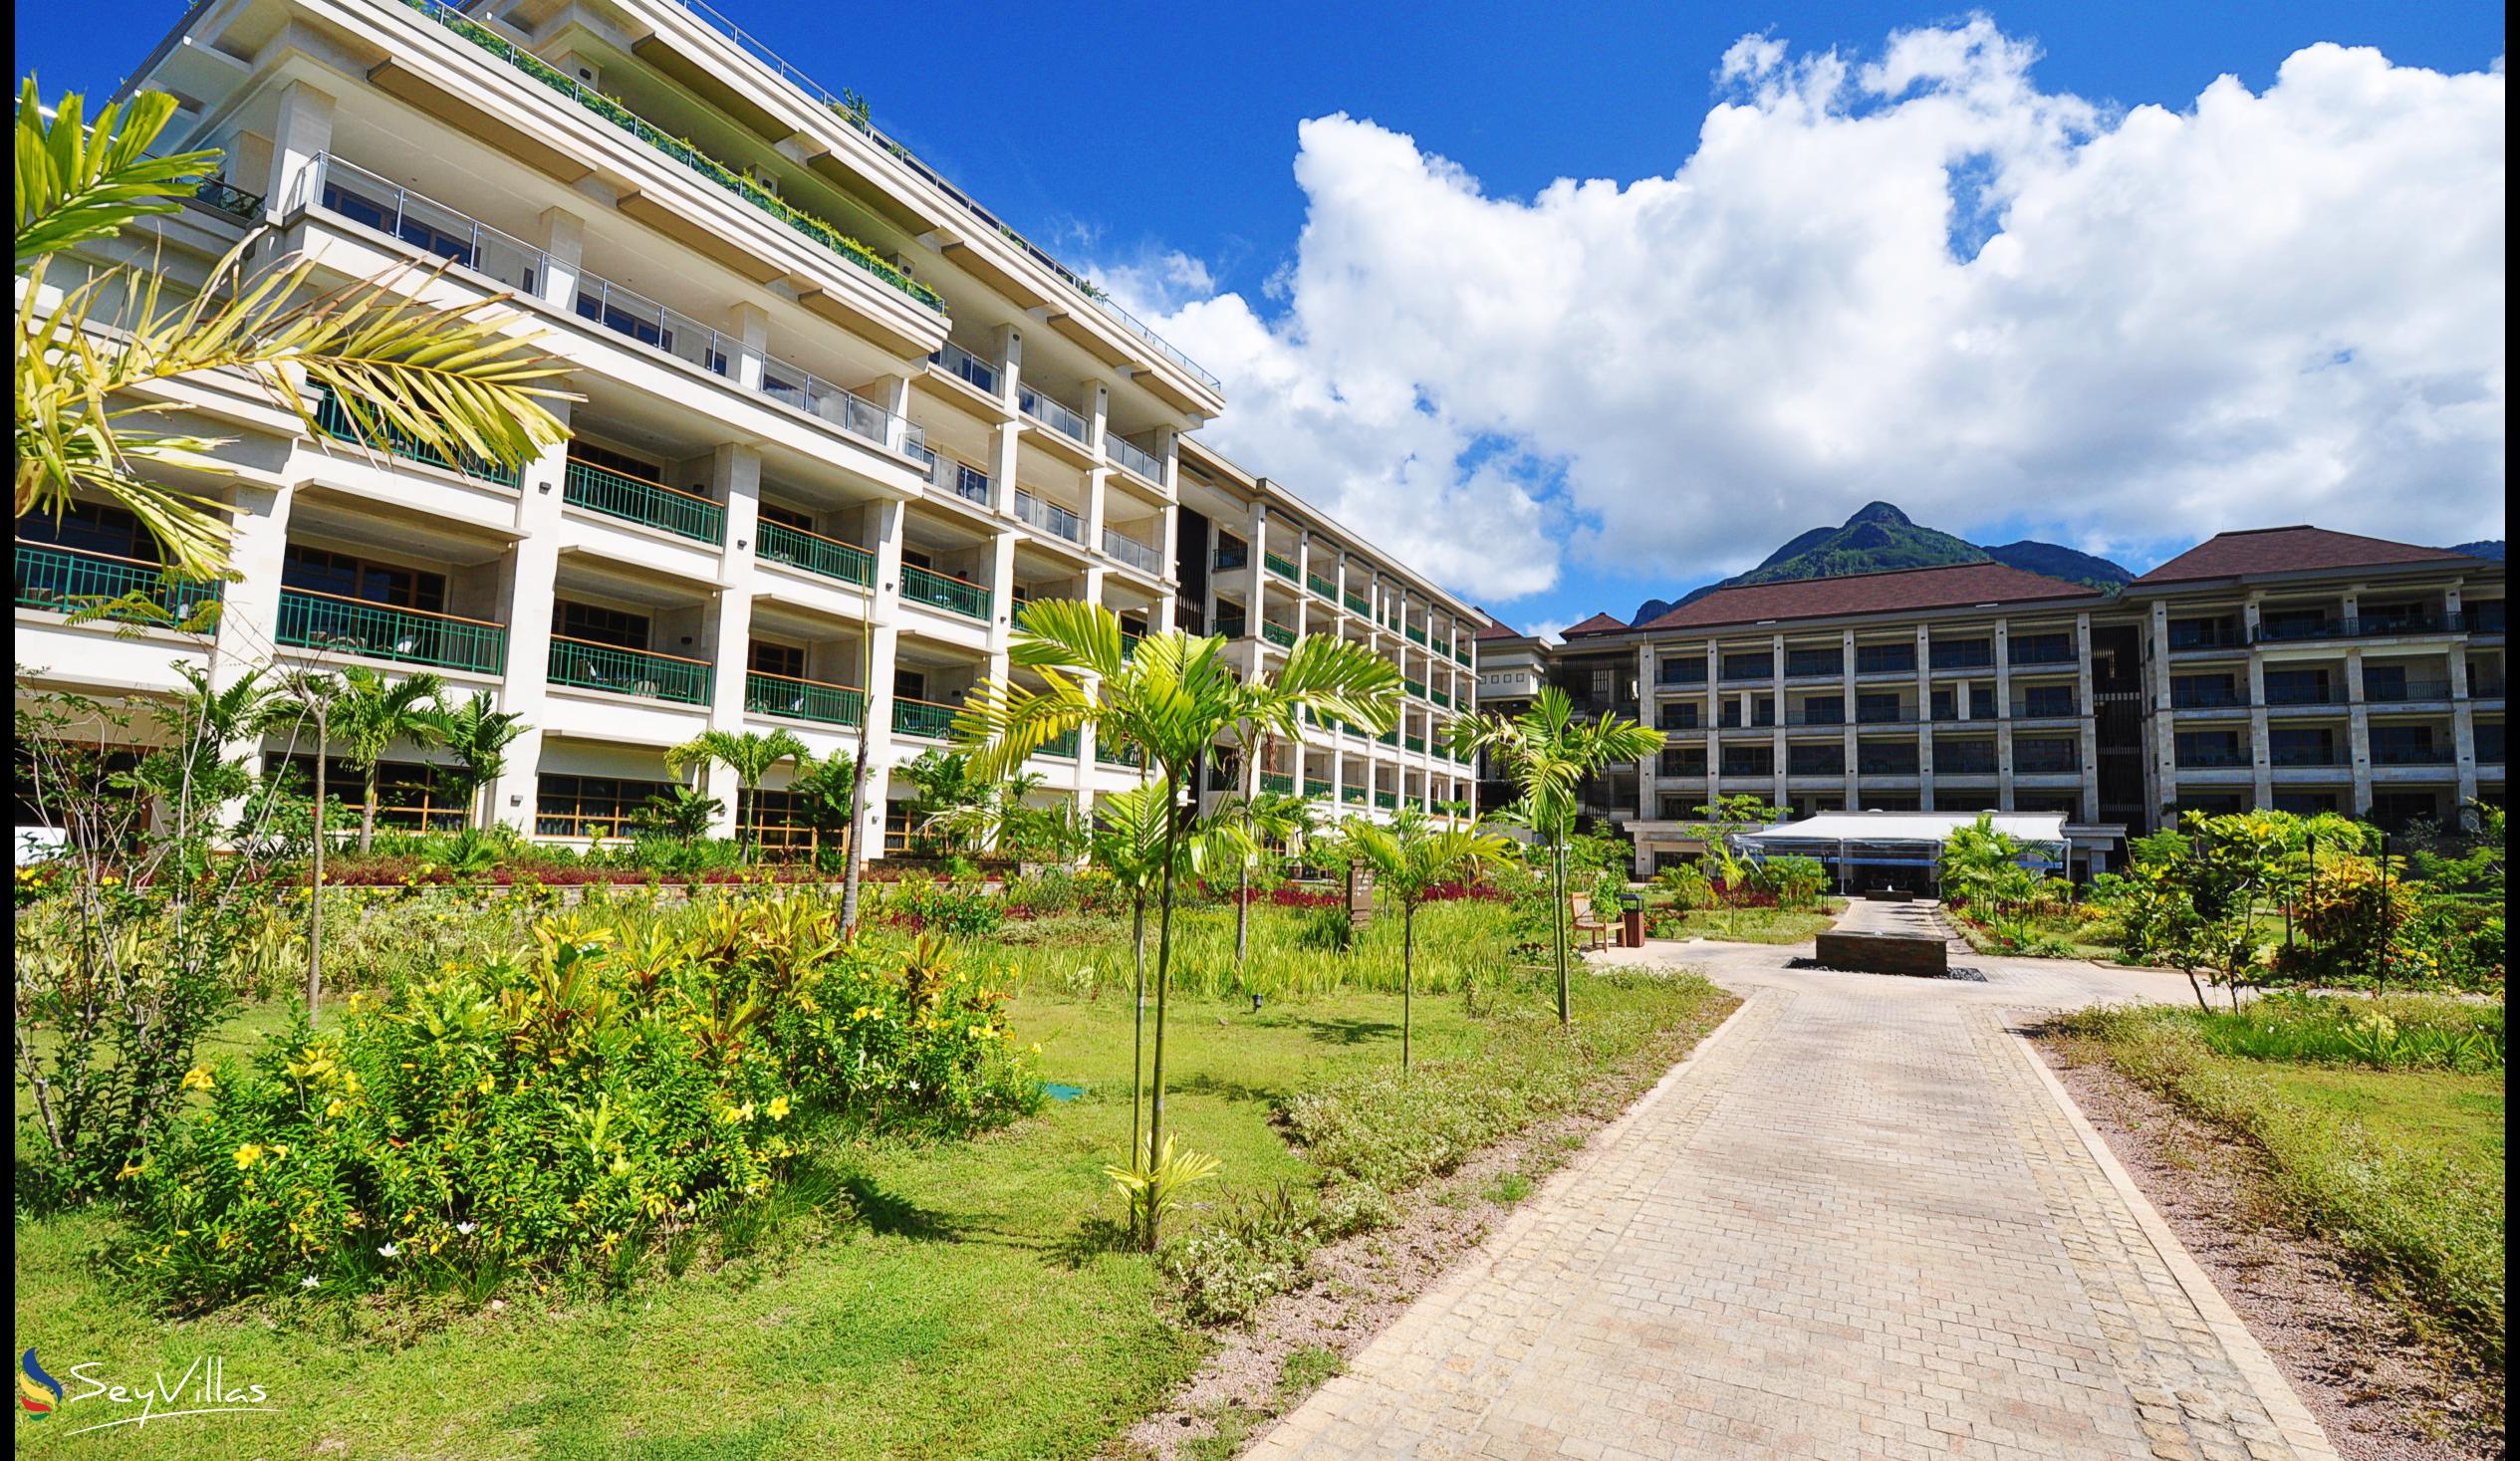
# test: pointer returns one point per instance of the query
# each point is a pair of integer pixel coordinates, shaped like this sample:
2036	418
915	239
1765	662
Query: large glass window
591	806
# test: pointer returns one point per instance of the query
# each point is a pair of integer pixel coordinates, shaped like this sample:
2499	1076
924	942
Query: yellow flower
778	1108
488	1085
196	1078
334	1107
247	1156
129	1170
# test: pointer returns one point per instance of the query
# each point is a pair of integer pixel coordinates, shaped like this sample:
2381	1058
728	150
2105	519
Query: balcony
336	625
1320	587
800	700
1280	565
1063	745
1050	517
1388	801
1415	688
2058	708
953	477
1354	795
2210	758
2426	755
587	665
2028	655
1357	603
842	247
2319	694
1058	416
1233	555
1143	557
969	368
2222	698
1800	665
815	554
650	504
2028	765
1414	743
1888	659
1135	460
1108	753
2305	755
2293	630
1440	699
69	580
335	421
1277	634
2397	692
1874	765
922	718
945	592
1277	781
1315	786
1416	635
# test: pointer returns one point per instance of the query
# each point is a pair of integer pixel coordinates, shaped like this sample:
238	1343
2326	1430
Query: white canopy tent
1901	848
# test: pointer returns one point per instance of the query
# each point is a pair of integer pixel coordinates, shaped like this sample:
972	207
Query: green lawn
1757	925
943	1299
2458	1118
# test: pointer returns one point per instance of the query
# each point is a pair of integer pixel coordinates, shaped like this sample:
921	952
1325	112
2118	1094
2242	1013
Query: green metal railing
336	422
779	694
841	245
815	554
1111	755
1278	635
1415	687
1323	586
1390	737
1062	744
592	666
1414	743
1283	566
944	590
1315	786
1388	801
1276	781
1440	699
1352	793
921	718
338	625
599	489
1416	635
1359	603
67	579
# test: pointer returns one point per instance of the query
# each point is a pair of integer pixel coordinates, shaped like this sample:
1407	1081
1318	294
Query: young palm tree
1132	830
1410	858
478	737
93	355
1547	753
1171	697
751	754
1260	819
371	713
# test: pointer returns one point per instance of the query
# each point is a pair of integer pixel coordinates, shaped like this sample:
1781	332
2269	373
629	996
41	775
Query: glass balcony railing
1139	555
801	699
68	579
642	672
2362	628
336	422
954	477
1280	565
841	246
338	625
826	557
972	370
1278	635
2051	709
1058	416
1135	460
945	592
2306	756
924	718
684	514
1049	516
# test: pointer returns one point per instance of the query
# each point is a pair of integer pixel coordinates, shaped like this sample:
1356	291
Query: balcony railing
2362	627
1110	754
828	557
1134	459
2209	759
1064	745
847	250
1416	635
1059	417
801	699
2028	765
2306	756
1415	688
1321	586
1388	801
2222	698
1440	699
2384	755
944	590
2327	694
1142	556
2211	634
684	514
1357	603
2021	654
642	672
1414	743
2044	709
1813	667
336	422
1278	635
340	625
2400	691
924	718
974	372
1280	565
1276	781
1315	786
221	195
1356	795
948	475
1886	765
1049	516
68	579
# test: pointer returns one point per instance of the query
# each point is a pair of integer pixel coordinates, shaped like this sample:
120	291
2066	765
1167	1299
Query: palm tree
92	359
1547	753
478	737
979	814
1132	832
1260	819
821	791
1410	858
371	713
1171	696
751	754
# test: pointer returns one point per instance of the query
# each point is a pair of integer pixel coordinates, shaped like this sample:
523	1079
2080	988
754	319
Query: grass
917	1299
2401	1169
1757	925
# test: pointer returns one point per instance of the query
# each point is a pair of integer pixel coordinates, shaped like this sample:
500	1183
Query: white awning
1933	827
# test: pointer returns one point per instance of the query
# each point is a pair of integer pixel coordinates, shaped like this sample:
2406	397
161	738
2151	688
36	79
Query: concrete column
2003	715
2162	772
1098	488
1852	790
1207	594
734	479
1304	584
1255	582
1004	449
1007	354
302	130
2261	754
893	392
2462	717
749	324
1001	600
2358	728
1777	755
1650	706
2089	754
249	612
1925	721
530	585
883	615
562	243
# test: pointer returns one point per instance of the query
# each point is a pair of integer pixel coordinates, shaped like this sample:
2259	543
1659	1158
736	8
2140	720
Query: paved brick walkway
1860	1221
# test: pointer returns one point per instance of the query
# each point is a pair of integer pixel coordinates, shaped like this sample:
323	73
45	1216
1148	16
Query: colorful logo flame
38	1393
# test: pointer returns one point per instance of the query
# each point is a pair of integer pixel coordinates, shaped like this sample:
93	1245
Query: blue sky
1121	134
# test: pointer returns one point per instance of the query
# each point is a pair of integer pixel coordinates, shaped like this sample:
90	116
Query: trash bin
1631	920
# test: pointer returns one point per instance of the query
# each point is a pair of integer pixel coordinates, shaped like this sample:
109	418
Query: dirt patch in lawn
2377	1389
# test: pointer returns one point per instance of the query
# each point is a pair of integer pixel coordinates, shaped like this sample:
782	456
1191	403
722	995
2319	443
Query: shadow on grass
889	1215
1349	1031
1089	1240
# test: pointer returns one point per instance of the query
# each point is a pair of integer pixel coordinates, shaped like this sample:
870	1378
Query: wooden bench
1591	932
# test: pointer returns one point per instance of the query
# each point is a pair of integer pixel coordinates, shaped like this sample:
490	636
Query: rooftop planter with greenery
681	151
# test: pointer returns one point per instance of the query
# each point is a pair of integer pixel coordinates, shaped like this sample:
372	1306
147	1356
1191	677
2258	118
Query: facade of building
2294	668
839	422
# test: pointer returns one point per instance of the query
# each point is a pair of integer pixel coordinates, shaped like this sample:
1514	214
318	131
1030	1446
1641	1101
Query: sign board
1359	894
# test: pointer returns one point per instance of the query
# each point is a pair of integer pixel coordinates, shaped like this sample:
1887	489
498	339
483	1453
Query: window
2299	745
2050	649
595	625
2203	634
1815	760
2301	804
1678	717
910	684
2489	742
2209	748
1815	662
2046	757
621	322
2297	687
1685	760
2047	700
410	795
1749	761
1748	667
1824	710
1886	660
778	659
1963	653
2384	682
1604	682
1885	758
777	822
392	218
2404	745
347	575
90	527
591	806
1876	709
787	517
1689	671
1981	702
1964	758
2203	691
1946	706
2394	810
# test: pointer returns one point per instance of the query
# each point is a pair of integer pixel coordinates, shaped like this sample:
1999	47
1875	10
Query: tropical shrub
1687	887
957	909
1796	881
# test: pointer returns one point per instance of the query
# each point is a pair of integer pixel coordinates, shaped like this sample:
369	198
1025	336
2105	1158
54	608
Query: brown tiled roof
2289	551
1948	585
1497	628
1600	624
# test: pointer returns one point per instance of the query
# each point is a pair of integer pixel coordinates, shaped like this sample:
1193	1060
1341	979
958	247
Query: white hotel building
839	422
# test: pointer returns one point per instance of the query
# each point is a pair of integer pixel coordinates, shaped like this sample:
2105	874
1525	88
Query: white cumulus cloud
1917	277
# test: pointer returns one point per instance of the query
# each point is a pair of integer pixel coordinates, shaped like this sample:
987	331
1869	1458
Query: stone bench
1883	953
